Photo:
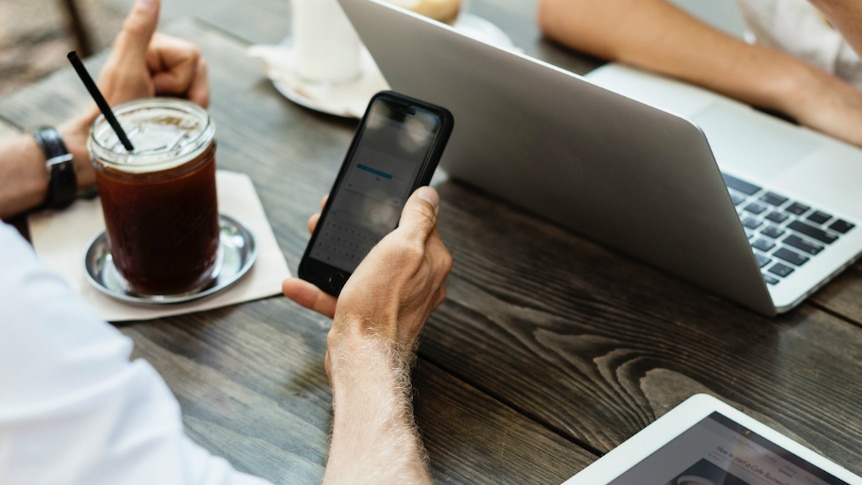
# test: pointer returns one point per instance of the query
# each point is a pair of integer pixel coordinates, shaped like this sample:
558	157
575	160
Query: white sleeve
73	408
796	27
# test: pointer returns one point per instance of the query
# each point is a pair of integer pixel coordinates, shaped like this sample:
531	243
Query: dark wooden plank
584	340
843	295
490	443
250	378
252	388
564	321
250	384
554	319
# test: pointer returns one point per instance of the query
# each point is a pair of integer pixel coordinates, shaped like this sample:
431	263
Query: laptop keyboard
784	234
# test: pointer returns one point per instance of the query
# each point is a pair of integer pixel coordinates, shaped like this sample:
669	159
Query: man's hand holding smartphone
375	248
394	289
395	150
375	242
372	343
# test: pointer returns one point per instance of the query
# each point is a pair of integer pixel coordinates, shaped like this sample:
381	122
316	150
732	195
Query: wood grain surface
549	350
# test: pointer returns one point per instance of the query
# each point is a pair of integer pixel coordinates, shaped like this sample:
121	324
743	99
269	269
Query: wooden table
549	350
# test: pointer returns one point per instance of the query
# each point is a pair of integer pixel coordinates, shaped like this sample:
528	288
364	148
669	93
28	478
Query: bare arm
23	172
655	35
25	181
372	343
374	438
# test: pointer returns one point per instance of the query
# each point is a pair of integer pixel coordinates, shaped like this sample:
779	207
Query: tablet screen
719	451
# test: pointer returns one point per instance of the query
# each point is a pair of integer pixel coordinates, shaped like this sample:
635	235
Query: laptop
621	157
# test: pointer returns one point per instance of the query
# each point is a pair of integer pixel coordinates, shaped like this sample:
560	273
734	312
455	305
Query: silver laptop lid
628	175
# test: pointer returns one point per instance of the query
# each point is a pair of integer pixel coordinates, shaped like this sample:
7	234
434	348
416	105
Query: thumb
419	216
138	29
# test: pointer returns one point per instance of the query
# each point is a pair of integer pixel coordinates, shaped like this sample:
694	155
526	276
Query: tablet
704	441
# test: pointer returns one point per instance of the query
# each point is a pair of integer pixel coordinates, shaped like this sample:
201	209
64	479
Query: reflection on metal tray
237	251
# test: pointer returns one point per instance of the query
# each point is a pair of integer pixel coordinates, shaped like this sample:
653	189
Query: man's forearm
24	175
374	437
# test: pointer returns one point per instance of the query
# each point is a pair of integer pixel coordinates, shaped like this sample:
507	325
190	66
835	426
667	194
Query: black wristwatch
63	186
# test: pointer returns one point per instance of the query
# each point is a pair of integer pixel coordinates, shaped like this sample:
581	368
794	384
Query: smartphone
394	151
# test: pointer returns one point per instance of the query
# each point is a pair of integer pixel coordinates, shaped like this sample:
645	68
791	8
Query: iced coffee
159	200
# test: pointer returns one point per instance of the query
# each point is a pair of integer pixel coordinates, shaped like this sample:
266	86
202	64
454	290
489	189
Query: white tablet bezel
680	419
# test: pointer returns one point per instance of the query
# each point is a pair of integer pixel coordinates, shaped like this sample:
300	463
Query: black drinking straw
99	99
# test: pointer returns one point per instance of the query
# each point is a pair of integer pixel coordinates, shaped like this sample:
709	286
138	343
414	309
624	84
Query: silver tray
237	251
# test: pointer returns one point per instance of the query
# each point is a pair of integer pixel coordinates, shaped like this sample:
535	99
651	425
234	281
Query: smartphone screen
395	150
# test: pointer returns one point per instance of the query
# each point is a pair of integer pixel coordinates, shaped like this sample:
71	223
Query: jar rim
171	149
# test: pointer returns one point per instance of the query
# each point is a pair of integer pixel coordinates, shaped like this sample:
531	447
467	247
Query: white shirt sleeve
73	408
799	28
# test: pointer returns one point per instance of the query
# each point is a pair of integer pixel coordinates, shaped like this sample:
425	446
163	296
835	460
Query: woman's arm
658	36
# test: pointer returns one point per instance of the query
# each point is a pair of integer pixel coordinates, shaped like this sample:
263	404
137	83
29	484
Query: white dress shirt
73	408
799	28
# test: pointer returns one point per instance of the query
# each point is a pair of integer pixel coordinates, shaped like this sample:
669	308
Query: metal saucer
237	251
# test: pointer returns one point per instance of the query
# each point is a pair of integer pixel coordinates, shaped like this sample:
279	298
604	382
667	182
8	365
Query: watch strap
62	185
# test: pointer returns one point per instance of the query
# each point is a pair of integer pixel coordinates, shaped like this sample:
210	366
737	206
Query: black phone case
329	278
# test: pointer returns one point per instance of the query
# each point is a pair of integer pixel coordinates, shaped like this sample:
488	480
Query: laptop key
763	244
780	269
740	185
812	232
770	279
762	259
755	208
791	257
772	198
841	226
802	245
751	222
819	217
777	217
736	198
797	208
773	231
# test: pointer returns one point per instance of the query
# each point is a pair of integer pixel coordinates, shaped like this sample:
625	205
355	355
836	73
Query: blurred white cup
326	47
